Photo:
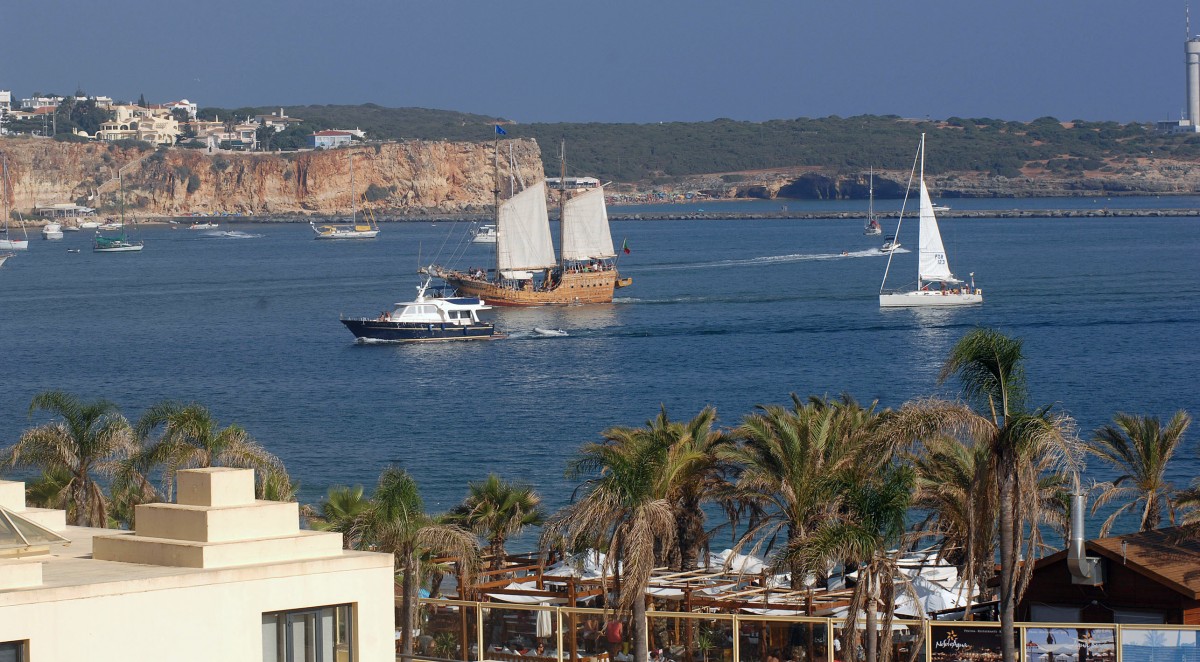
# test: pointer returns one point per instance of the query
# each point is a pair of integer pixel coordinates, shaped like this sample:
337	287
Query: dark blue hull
368	329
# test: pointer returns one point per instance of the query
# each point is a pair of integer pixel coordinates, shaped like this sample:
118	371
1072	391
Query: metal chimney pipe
1076	544
1084	570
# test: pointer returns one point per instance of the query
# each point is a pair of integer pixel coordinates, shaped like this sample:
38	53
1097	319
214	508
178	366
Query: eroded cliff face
405	177
1144	177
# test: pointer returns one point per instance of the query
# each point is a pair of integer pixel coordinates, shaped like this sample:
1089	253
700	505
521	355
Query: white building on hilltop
215	576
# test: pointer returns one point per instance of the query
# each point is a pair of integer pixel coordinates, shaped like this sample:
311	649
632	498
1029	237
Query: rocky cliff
1143	177
409	177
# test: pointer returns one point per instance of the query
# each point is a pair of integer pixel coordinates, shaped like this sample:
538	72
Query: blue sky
616	61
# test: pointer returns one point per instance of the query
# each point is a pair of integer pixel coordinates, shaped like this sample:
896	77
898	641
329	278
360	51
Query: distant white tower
1191	49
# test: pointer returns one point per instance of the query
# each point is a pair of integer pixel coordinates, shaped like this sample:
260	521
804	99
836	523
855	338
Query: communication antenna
1187	20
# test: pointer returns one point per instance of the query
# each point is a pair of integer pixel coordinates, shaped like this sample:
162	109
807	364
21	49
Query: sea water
732	313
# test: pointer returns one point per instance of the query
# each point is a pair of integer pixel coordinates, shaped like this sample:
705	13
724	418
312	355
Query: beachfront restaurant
736	610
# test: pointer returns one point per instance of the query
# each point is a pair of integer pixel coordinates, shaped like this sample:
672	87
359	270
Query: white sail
523	232
585	227
933	265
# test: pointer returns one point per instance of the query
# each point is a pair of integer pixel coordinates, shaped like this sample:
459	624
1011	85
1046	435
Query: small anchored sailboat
7	242
933	268
356	229
119	243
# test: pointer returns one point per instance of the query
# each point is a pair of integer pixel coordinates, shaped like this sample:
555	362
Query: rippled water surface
731	313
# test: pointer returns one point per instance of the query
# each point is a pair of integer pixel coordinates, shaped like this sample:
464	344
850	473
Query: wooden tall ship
527	272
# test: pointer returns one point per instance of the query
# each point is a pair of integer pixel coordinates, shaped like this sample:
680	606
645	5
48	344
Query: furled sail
933	266
585	227
523	232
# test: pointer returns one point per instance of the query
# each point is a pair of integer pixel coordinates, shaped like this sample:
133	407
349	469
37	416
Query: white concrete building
329	139
216	576
33	103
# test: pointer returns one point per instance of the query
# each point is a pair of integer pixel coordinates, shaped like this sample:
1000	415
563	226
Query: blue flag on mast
500	131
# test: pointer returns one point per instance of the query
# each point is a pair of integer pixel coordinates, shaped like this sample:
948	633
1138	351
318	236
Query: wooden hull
573	288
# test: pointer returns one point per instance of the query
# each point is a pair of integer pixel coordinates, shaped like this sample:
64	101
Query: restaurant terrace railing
454	629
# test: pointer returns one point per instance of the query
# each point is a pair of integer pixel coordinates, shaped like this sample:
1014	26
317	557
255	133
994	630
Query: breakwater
688	215
862	215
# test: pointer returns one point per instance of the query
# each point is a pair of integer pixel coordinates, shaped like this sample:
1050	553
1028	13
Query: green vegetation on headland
819	481
670	150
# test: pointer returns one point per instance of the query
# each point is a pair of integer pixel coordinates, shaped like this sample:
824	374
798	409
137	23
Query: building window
320	634
13	651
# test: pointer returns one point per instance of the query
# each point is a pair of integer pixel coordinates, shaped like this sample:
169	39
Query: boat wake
231	234
774	259
538	332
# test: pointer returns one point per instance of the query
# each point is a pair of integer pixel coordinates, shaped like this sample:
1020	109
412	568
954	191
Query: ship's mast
562	205
496	204
353	200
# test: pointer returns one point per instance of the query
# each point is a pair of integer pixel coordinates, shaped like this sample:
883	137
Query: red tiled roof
333	133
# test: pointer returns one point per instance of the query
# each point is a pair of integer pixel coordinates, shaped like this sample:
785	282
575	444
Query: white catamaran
933	269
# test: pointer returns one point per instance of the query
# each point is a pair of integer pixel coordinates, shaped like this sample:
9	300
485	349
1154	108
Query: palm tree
957	491
344	510
190	438
624	507
1140	448
497	510
1022	447
692	471
89	442
49	489
784	459
871	520
397	523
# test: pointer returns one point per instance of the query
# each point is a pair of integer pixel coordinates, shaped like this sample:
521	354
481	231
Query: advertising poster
955	643
1070	645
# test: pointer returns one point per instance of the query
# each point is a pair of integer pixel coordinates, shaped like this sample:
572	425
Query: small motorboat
484	234
72	250
549	333
428	318
889	244
52	231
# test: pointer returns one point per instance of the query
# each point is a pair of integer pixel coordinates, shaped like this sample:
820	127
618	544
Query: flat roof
70	572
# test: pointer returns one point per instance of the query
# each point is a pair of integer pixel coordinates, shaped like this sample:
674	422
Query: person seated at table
590	633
